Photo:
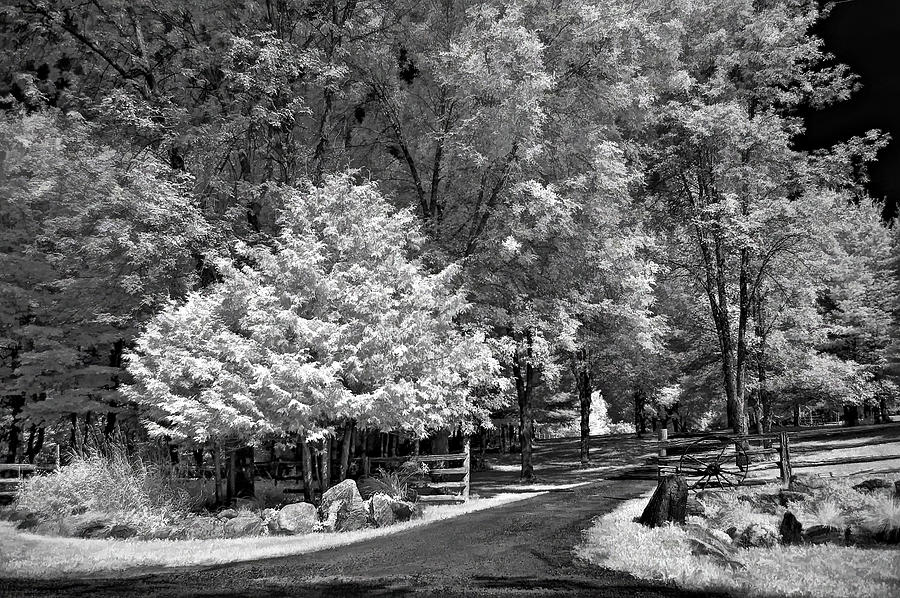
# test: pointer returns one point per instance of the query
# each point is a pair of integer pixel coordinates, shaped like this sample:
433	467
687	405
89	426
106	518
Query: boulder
790	530
763	503
695	507
757	536
404	511
343	509
92	524
120	531
823	534
806	483
871	485
202	528
245	524
48	528
862	536
22	519
343	492
297	518
381	511
228	514
166	532
891	536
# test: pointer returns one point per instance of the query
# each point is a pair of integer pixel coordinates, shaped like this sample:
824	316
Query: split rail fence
761	459
447	478
9	484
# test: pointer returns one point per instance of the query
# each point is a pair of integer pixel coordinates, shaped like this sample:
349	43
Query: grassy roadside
26	555
616	542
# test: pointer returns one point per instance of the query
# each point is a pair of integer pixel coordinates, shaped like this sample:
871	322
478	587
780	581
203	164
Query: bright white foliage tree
336	322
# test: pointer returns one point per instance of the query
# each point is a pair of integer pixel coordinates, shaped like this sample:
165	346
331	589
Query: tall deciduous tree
337	322
92	241
734	188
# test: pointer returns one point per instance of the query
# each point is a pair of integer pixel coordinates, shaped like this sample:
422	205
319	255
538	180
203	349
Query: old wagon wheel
714	461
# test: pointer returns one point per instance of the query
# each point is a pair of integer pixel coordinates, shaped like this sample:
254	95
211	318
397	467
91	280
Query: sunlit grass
664	554
30	555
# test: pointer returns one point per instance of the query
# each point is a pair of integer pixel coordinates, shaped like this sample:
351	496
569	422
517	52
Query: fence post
467	465
662	443
784	461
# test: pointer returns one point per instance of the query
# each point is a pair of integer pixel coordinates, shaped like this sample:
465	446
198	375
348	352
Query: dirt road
520	549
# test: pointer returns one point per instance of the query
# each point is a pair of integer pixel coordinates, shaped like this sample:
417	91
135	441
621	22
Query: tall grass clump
105	479
884	518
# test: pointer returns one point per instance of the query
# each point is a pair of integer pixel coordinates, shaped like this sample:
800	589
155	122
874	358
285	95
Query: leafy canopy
335	322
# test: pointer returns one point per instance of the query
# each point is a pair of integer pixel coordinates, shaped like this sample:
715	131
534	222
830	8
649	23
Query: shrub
106	481
884	518
396	483
828	513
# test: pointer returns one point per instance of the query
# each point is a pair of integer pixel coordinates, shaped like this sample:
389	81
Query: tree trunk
217	472
15	430
784	459
306	459
524	375
482	450
763	401
198	461
668	503
851	415
73	433
584	395
640	422
110	426
346	441
230	476
35	444
325	465
244	486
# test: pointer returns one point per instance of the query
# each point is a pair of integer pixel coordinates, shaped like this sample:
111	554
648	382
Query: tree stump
668	503
791	530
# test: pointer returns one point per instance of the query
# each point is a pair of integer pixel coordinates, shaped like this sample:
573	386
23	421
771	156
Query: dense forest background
233	221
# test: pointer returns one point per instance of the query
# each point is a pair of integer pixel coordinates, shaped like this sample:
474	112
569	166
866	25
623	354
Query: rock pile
342	509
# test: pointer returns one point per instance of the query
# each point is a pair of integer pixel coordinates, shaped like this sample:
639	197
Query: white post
466	465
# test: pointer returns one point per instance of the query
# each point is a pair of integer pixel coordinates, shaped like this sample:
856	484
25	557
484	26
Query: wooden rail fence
439	482
447	479
773	457
764	458
10	484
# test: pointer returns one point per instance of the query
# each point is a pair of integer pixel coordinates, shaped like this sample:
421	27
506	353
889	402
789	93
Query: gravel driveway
520	549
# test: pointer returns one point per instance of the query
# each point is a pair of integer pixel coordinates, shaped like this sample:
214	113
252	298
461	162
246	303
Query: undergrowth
105	479
617	542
